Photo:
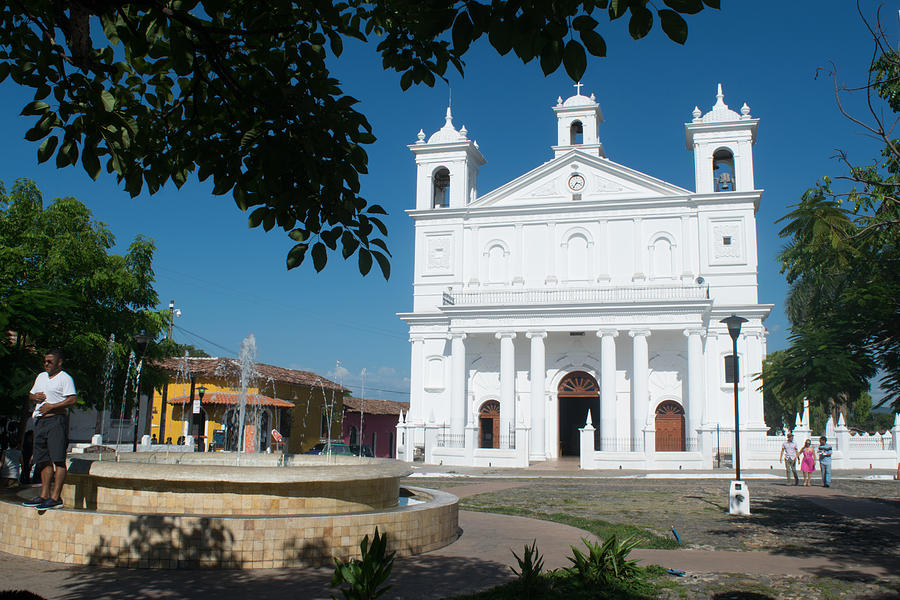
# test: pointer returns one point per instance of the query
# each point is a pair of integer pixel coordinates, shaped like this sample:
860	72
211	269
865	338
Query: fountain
227	509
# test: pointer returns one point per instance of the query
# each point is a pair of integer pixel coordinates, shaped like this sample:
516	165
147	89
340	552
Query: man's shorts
50	440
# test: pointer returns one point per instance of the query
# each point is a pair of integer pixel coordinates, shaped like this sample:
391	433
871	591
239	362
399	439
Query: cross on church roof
577	87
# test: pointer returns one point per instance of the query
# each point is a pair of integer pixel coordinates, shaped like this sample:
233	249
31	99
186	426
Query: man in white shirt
789	453
53	393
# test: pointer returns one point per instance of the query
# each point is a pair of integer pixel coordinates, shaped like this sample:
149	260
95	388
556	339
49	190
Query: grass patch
602	529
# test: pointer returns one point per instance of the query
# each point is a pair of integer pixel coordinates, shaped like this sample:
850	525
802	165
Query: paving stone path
478	560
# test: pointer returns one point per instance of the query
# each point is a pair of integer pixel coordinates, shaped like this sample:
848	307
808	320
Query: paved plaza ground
842	542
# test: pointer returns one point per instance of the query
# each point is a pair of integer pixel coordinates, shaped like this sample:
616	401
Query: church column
414	415
538	381
474	262
752	366
507	382
552	276
640	393
686	274
607	388
458	417
518	258
694	405
603	251
639	274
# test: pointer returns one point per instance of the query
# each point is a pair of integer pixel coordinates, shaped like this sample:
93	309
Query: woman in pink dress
807	461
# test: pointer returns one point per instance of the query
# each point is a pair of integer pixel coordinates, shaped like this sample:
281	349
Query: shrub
604	563
365	574
531	564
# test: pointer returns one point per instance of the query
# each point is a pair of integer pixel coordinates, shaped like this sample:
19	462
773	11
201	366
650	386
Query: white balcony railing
581	295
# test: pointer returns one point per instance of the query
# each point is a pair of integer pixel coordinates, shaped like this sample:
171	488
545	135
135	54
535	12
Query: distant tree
241	92
842	260
60	286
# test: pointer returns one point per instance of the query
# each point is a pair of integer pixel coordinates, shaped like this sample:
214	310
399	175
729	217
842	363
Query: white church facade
575	310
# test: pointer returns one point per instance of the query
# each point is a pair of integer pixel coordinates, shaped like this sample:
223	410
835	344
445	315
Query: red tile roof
229	368
233	398
375	407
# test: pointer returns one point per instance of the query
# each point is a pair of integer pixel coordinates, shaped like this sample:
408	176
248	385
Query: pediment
602	180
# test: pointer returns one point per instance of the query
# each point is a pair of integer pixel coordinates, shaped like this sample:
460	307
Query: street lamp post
197	420
140	340
739	502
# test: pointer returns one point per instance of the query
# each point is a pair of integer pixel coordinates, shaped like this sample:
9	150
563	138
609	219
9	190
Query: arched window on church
576	133
723	170
577	259
441	192
497	267
662	258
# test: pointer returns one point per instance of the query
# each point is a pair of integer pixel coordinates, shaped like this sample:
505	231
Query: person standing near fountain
53	393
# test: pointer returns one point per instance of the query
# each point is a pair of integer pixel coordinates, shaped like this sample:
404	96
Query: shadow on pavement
420	577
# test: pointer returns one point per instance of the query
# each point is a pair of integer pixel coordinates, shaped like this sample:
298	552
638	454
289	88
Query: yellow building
296	404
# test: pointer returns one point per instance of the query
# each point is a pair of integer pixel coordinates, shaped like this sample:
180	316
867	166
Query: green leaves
46	149
365	577
673	25
243	93
574	60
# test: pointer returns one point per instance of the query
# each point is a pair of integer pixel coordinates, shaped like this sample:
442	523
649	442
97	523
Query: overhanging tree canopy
239	91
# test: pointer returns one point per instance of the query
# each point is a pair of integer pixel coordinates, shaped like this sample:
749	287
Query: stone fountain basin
226	484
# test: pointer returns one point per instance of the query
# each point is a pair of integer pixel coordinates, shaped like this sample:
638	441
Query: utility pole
173	312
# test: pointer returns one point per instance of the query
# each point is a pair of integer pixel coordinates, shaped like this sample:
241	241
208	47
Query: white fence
511	296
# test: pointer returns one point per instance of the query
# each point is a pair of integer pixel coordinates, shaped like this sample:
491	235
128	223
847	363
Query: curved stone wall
211	485
180	541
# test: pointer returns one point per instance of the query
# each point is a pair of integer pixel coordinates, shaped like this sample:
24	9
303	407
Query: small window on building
726	240
576	133
441	192
576	333
731	369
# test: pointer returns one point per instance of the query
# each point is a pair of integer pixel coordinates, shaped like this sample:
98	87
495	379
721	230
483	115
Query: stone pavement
478	559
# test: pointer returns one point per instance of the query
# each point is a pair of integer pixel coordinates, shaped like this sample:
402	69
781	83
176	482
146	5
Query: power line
387	391
196	335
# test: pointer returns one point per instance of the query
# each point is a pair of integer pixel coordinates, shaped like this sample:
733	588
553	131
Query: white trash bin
738	499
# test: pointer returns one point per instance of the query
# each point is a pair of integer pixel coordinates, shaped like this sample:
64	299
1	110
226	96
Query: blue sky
229	280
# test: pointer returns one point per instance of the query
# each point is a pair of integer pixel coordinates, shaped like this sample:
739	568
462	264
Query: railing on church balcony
451	440
581	295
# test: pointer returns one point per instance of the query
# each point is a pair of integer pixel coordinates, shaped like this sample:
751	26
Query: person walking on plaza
53	393
807	461
825	460
789	454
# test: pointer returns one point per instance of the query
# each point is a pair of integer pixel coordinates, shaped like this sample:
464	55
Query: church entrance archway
489	425
578	393
669	427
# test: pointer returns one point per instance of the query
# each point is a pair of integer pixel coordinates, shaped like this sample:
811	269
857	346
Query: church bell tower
578	123
722	141
446	167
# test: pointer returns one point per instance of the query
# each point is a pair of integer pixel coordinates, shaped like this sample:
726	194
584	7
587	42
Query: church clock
576	182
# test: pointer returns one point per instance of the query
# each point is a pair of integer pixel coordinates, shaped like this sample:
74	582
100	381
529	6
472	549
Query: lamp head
734	323
141	340
200	391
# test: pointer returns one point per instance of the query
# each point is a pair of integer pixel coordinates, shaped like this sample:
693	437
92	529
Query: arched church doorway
489	425
578	393
669	427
